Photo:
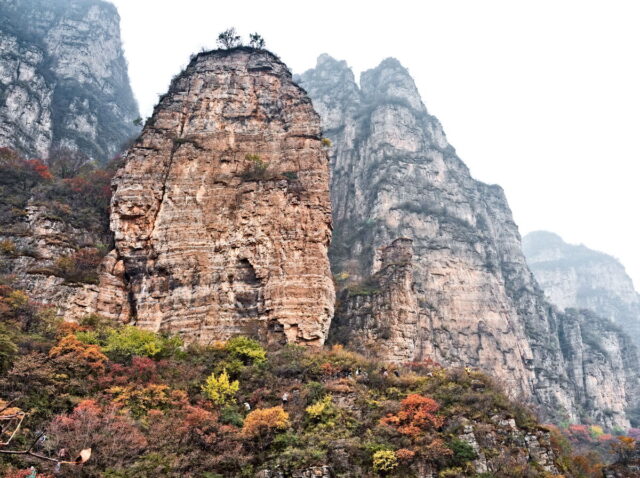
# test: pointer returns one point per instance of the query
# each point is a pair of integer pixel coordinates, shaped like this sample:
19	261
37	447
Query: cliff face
602	362
578	277
63	78
465	296
221	213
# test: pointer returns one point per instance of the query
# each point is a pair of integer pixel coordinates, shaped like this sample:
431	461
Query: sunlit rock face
578	277
463	294
63	78
221	213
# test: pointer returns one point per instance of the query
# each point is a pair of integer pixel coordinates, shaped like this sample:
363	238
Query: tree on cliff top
229	39
256	41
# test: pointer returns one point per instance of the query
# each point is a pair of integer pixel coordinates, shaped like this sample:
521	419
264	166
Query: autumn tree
265	421
416	416
114	438
220	390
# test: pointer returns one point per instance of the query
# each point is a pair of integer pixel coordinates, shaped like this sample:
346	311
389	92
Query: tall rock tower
221	213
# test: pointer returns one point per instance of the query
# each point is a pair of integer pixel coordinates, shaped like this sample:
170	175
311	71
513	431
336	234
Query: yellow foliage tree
220	389
265	421
384	461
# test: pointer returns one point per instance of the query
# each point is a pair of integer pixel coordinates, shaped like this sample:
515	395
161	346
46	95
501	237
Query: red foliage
113	437
38	167
425	365
416	416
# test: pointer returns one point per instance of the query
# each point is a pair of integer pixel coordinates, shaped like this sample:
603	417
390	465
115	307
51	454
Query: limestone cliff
578	277
465	295
221	212
63	78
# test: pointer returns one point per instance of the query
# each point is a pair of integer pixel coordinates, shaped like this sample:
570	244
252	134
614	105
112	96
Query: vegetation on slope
149	406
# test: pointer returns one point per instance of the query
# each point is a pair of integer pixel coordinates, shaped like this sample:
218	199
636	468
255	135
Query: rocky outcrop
63	78
467	297
578	277
221	213
381	312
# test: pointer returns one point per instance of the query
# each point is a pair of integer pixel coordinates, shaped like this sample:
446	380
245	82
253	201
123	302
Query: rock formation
578	277
464	296
221	213
63	78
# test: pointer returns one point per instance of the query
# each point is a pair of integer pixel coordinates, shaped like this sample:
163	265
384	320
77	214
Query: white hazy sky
541	97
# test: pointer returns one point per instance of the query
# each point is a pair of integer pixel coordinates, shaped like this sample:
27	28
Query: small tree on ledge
229	39
256	41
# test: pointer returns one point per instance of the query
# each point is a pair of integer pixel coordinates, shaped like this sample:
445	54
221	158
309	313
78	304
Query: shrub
230	416
8	349
139	400
257	167
81	266
385	461
247	350
8	248
123	344
114	438
319	408
78	356
220	389
265	421
462	451
416	416
624	449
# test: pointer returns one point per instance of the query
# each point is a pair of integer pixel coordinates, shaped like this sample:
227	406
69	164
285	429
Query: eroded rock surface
221	213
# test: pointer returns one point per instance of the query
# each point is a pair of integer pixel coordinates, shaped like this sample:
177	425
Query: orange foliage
82	355
416	416
405	455
264	421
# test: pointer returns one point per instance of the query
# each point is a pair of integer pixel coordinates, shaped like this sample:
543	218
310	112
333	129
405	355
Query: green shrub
249	351
462	451
8	349
123	344
230	416
256	169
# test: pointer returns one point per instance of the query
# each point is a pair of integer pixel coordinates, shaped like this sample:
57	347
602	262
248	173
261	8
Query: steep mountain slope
462	292
578	277
63	78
